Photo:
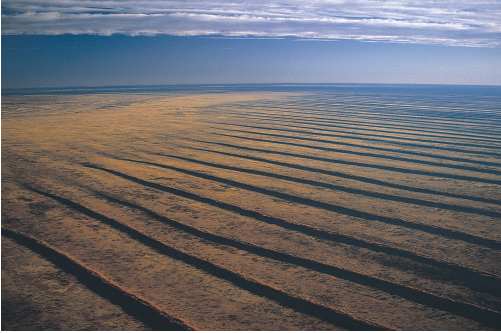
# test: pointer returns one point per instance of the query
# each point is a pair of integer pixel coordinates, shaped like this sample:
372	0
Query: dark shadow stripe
434	230
467	310
360	127
376	195
382	156
330	172
361	123
295	303
356	131
465	126
473	279
431	110
353	110
424	127
393	117
374	166
147	313
361	137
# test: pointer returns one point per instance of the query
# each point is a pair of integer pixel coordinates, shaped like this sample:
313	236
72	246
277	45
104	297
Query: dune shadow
422	127
354	130
299	121
340	188
379	156
363	216
369	165
132	304
329	172
381	127
373	138
280	297
461	274
409	293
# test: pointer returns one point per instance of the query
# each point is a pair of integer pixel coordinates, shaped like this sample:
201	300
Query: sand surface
252	211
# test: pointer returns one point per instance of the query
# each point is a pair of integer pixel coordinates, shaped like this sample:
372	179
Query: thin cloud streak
455	23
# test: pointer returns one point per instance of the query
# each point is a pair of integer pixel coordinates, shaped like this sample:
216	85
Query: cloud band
457	23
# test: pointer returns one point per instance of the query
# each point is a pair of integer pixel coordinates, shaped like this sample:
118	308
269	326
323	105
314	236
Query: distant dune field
251	211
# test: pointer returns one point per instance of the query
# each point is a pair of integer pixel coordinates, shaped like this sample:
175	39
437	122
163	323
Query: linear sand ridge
391	157
383	196
368	126
376	110
490	243
486	316
433	129
471	277
295	303
372	138
298	117
316	210
328	172
362	133
140	308
388	168
392	119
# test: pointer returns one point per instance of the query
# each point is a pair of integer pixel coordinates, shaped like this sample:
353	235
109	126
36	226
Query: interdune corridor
314	209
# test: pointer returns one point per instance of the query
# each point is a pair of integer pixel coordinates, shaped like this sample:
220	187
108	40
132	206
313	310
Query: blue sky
93	43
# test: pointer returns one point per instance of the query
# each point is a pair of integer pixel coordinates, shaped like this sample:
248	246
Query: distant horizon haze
30	61
248	86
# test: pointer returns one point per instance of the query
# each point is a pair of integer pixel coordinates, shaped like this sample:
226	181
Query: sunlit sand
240	210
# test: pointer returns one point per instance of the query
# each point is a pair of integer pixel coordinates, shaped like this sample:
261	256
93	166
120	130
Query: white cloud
462	22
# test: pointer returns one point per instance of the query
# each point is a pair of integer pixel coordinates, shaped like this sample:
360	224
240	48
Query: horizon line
70	87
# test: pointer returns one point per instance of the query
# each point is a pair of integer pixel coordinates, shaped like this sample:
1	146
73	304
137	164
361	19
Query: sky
50	43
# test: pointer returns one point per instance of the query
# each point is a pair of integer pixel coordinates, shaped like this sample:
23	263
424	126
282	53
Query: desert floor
250	210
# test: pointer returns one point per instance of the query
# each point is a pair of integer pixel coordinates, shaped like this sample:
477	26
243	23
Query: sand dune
262	210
